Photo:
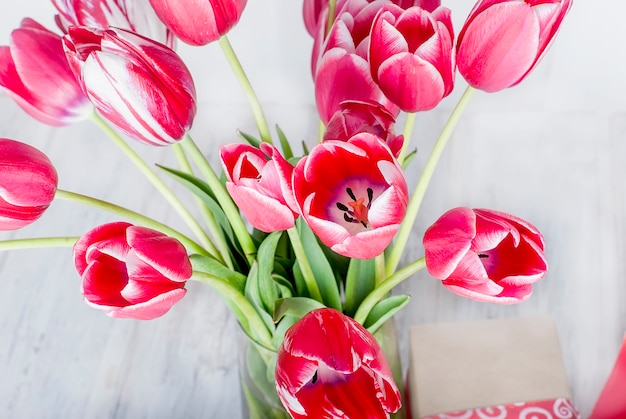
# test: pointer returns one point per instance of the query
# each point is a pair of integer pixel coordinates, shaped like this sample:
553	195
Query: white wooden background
550	150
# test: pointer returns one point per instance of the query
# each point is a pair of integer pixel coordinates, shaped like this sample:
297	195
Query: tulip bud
28	182
139	85
503	40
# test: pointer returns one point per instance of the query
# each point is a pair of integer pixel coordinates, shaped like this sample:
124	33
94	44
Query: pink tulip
35	73
342	71
134	15
503	40
130	271
411	57
352	194
198	22
259	181
139	85
28	182
354	117
485	255
329	366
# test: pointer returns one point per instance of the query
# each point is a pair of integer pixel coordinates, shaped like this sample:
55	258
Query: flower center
356	210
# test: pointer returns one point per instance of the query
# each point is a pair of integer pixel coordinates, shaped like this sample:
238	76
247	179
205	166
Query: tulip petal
263	212
149	310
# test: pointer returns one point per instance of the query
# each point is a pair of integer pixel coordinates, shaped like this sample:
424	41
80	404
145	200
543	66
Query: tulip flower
329	366
485	255
35	73
134	15
354	117
199	22
503	40
139	85
28	182
410	55
259	181
353	195
130	271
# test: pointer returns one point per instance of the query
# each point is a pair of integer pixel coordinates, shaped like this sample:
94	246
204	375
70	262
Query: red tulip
352	194
130	271
485	255
259	181
329	366
354	117
140	85
411	57
503	40
136	16
35	73
198	22
28	182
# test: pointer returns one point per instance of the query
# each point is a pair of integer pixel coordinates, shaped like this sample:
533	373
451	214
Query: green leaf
211	266
250	139
360	281
285	288
281	328
322	270
295	306
265	258
305	149
284	144
383	310
408	158
253	294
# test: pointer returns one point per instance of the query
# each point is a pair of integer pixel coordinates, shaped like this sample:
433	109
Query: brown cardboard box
459	366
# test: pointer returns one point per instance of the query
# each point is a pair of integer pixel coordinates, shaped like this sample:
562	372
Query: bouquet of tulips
304	248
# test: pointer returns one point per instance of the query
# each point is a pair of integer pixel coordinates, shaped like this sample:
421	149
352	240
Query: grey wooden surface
550	150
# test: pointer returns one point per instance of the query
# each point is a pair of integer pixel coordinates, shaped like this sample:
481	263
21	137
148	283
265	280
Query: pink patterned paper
543	409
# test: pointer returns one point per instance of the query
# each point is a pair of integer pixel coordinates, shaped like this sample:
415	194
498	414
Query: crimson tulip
503	40
485	255
199	22
131	271
410	55
353	195
28	182
259	181
329	366
139	85
35	73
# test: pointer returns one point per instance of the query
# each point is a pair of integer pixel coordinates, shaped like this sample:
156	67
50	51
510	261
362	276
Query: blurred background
551	151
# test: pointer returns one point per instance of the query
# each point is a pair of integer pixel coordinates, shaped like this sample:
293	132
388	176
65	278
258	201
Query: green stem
38	242
222	250
240	74
305	266
157	183
244	308
393	258
379	266
383	289
407	133
223	198
131	216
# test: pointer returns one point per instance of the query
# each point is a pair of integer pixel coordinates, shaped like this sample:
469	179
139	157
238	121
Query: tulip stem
209	218
385	287
39	242
223	198
409	123
305	266
158	184
417	197
253	100
131	216
242	308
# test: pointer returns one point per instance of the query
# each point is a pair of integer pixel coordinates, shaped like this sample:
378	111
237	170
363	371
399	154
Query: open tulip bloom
304	247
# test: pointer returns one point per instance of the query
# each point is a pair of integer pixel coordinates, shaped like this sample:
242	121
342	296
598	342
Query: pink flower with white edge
134	15
485	255
139	85
353	195
28	182
411	56
259	181
130	271
35	73
329	366
503	40
199	22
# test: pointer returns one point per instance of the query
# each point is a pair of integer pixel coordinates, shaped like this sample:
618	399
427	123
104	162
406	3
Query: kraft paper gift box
485	364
